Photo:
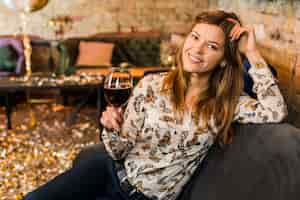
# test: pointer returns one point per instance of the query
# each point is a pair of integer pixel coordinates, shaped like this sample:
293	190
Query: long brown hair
225	84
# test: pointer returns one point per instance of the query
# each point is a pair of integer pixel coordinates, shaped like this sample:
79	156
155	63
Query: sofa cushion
94	53
8	59
40	58
263	162
11	56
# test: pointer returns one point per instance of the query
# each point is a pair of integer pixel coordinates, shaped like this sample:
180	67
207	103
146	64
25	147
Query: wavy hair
225	84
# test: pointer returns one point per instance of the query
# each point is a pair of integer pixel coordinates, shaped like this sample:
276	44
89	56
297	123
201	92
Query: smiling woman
209	68
172	119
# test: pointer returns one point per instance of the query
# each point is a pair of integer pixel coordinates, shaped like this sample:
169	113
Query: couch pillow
94	53
43	58
11	56
8	59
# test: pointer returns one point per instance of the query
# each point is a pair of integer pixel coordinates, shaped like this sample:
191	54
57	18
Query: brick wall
277	26
105	16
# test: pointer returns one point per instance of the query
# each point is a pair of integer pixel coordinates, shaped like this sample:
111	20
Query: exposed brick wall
105	16
277	25
296	80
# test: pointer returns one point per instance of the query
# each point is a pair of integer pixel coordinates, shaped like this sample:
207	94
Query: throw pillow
95	53
8	59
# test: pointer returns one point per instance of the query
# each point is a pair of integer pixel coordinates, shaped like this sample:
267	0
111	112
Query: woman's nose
200	46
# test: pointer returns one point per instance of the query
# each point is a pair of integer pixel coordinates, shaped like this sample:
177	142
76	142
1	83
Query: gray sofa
263	162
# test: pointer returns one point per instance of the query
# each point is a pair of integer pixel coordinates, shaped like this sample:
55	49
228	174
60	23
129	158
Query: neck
197	85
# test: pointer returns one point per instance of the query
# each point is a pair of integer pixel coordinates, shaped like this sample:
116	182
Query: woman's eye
213	47
194	36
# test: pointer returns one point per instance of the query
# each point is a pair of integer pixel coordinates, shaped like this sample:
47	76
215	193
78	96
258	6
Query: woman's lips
195	59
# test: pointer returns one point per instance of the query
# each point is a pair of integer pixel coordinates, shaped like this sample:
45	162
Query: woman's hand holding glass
117	89
112	118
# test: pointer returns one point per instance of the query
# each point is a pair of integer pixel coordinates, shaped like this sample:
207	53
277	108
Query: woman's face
203	48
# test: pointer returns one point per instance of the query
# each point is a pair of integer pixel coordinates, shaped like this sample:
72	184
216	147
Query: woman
172	119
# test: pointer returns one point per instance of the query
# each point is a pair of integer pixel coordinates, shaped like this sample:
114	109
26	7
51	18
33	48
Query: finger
115	114
233	30
107	115
111	112
110	108
104	118
233	21
115	124
234	34
111	118
115	109
236	26
106	123
120	110
118	117
238	33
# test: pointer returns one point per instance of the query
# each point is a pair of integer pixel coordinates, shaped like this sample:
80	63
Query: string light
26	43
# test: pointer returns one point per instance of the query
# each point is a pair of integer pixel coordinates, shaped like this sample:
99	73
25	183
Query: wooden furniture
136	72
9	86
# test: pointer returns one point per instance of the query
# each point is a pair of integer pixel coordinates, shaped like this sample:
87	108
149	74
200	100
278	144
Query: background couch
262	163
65	57
138	49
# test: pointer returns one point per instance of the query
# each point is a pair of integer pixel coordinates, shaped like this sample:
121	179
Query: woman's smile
194	58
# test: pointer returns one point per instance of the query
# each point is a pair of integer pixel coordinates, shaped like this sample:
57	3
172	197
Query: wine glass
118	84
117	87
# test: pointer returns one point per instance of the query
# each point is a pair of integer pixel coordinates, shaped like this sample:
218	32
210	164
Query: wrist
252	54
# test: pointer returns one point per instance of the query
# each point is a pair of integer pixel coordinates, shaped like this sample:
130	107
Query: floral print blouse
161	153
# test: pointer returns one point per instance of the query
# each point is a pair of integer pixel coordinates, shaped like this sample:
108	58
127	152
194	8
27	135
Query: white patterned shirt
161	153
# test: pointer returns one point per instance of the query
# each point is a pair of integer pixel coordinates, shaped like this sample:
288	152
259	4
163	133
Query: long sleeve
269	105
118	144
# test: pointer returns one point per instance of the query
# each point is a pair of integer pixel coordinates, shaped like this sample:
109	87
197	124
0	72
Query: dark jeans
94	178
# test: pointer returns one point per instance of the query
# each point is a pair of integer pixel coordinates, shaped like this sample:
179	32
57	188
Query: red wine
117	96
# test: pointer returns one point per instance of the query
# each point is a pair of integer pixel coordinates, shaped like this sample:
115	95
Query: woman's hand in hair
245	36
